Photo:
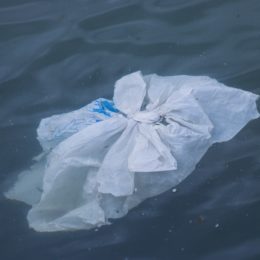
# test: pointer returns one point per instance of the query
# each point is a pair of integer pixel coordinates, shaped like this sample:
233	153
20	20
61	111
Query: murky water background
56	56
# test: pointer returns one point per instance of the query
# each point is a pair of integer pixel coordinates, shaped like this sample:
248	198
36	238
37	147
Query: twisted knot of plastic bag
147	117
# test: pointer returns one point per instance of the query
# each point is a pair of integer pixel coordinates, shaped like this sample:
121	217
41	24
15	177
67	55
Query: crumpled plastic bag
100	161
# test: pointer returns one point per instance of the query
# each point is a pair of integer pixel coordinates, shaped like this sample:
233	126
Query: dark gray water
58	55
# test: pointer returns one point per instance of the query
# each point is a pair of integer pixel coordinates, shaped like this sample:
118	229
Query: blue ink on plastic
109	105
104	107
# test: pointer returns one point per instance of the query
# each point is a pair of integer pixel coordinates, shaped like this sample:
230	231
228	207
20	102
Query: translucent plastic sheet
107	157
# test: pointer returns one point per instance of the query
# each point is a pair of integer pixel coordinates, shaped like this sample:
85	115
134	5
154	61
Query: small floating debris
201	219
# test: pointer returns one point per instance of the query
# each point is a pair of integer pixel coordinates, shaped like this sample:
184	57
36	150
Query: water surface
56	56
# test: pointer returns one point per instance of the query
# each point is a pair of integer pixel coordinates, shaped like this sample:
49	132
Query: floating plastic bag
107	157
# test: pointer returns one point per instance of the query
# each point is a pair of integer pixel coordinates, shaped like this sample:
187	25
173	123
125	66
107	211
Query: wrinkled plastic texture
100	161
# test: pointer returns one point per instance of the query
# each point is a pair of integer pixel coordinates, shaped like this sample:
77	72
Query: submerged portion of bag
100	161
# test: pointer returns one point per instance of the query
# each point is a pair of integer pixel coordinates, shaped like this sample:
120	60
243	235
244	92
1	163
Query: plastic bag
107	157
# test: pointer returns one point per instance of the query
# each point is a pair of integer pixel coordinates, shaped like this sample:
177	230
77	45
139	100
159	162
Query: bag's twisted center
148	117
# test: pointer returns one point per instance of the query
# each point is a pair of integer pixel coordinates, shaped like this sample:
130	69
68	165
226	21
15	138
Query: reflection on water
57	56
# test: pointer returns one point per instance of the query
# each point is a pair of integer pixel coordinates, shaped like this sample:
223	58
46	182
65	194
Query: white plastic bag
104	159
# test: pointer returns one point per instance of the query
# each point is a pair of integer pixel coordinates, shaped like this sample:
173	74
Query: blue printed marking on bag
104	107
